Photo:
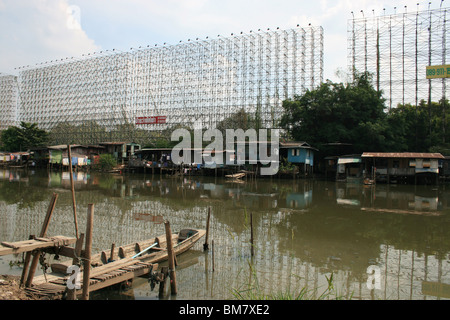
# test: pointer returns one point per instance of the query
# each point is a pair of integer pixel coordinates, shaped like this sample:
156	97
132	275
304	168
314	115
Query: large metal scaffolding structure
79	100
112	95
397	48
8	100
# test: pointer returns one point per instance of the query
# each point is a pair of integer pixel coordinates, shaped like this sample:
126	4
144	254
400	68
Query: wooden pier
83	273
34	244
56	286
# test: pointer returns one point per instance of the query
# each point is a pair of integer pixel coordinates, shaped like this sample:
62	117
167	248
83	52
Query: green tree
421	128
242	120
22	138
336	112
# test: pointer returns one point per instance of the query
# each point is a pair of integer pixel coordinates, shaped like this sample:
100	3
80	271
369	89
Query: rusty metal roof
296	144
402	155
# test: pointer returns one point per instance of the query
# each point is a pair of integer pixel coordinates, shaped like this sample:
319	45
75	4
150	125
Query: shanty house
122	151
403	167
349	168
299	153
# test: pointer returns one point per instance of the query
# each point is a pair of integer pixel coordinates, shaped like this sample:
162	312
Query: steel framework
397	48
8	100
196	82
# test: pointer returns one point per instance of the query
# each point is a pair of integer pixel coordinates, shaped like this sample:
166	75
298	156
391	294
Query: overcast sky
36	31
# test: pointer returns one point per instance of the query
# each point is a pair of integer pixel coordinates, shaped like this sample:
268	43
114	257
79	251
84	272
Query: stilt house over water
403	167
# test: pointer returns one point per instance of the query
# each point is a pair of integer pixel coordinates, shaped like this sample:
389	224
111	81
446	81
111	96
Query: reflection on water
305	231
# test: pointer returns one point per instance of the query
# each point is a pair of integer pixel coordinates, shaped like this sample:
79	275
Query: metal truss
8	101
80	100
206	81
194	83
397	48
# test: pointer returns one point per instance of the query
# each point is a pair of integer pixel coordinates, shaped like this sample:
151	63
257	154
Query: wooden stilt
162	280
26	265
43	233
205	245
69	154
172	274
78	248
71	295
111	256
87	252
251	235
212	243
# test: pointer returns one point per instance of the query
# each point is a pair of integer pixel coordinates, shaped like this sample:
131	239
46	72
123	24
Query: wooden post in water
172	274
43	233
87	252
111	255
162	281
212	243
69	154
25	265
251	235
205	245
71	294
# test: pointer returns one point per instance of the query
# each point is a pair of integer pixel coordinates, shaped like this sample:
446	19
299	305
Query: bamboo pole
87	252
69	154
43	233
251	235
212	243
172	274
205	245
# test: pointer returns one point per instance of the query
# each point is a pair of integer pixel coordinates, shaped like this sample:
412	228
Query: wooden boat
148	251
155	250
368	182
235	175
116	266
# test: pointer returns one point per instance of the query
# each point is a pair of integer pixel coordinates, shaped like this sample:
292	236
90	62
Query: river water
383	242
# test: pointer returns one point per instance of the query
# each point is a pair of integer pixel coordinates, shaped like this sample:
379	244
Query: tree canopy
355	113
241	120
22	138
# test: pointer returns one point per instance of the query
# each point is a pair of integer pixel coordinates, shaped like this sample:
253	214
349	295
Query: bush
107	162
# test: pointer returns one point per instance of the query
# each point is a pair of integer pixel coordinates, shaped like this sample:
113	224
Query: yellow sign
437	289
434	72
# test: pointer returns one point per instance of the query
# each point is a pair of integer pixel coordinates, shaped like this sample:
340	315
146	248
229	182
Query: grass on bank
254	291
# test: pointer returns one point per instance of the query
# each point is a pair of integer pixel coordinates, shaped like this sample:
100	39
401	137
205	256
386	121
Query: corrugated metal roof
295	144
349	160
402	155
64	146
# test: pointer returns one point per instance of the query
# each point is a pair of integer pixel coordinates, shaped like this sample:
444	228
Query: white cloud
38	31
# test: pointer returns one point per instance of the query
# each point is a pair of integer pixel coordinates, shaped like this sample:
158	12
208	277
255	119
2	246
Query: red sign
148	217
151	120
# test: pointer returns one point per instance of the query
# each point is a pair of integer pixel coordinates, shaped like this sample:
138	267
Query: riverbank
10	289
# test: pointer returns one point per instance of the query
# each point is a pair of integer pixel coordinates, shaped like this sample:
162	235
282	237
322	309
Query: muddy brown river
382	242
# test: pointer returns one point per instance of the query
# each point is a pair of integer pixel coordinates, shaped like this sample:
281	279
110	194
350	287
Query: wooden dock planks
54	285
101	277
33	244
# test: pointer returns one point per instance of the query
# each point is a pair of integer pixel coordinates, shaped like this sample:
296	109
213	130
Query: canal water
315	238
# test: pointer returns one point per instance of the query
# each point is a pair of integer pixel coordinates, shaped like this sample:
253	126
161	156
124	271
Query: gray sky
36	31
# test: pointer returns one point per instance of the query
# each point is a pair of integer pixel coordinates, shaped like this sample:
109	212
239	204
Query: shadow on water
305	230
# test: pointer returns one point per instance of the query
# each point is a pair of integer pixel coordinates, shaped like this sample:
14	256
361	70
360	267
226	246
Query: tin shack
405	167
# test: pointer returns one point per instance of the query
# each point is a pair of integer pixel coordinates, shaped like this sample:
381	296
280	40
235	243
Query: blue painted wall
301	155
